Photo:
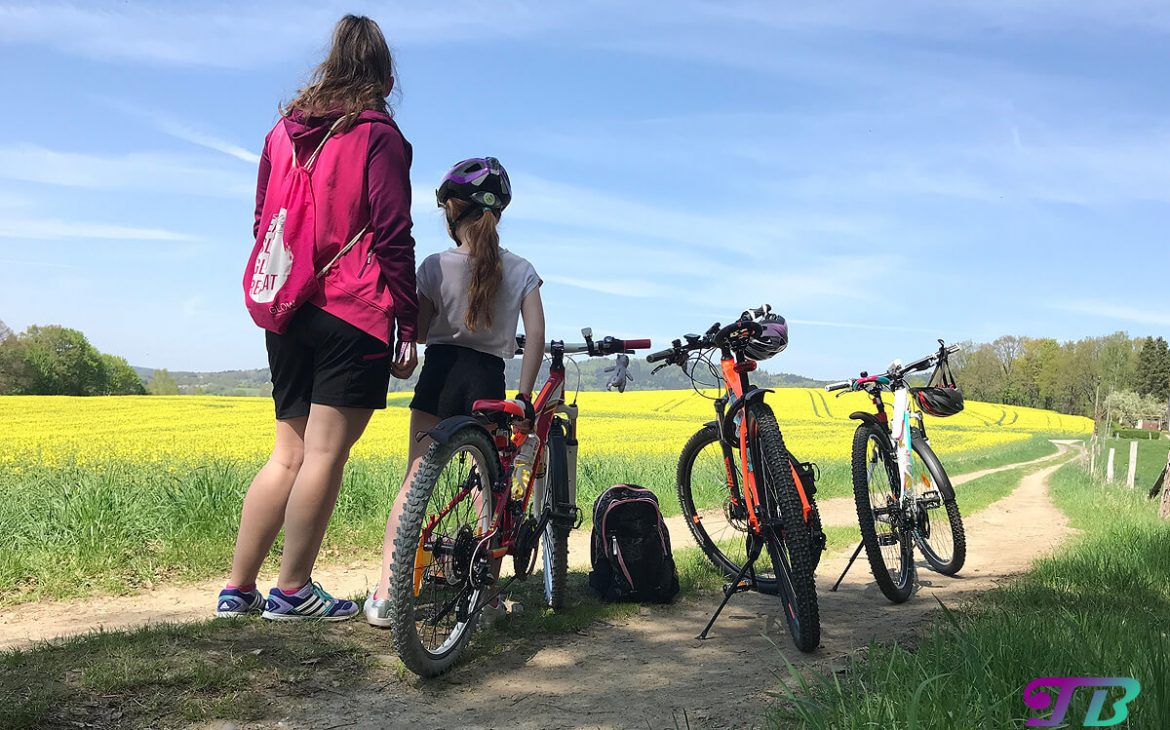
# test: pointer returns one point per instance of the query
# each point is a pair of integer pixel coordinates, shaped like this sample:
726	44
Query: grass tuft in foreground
1099	608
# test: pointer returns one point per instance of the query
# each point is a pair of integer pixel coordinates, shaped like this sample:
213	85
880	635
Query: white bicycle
903	495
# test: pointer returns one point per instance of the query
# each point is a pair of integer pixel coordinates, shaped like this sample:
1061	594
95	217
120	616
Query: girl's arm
532	313
426	310
388	181
261	186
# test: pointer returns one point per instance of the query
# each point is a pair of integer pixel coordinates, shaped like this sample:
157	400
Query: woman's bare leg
264	505
420	422
329	435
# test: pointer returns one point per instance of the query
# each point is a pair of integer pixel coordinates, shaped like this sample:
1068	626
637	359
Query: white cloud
1105	310
617	286
181	130
55	229
153	172
239	35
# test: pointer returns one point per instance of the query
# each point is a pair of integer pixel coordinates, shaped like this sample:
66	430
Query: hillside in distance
593	377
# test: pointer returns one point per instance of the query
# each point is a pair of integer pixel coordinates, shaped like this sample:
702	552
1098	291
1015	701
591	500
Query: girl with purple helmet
471	299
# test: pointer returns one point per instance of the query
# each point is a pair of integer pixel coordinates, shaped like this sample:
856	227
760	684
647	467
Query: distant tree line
55	360
1074	377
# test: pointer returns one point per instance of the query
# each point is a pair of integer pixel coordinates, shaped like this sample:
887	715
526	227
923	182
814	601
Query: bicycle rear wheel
876	489
940	526
555	538
785	532
716	518
440	573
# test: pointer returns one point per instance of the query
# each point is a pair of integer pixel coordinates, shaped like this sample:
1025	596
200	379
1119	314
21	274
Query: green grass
1151	460
77	530
1098	608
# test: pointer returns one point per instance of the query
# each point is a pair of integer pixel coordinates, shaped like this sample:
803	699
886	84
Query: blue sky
883	174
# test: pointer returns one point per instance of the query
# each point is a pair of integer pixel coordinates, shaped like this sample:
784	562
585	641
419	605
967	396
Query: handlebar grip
660	355
842	385
637	344
954	348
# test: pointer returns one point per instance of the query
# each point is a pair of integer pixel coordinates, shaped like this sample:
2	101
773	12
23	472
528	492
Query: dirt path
193	602
648	671
842	512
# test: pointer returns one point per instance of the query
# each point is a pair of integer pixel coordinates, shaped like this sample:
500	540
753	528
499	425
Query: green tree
161	383
120	378
15	377
61	361
1153	369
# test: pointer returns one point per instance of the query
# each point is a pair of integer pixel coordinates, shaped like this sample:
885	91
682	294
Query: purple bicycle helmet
479	180
772	340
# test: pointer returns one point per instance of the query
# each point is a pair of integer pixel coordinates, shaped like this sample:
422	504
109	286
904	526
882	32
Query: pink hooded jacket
361	180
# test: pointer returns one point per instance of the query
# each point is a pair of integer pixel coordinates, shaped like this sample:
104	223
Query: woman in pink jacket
331	368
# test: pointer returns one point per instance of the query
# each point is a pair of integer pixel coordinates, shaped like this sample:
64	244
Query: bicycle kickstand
734	587
847	567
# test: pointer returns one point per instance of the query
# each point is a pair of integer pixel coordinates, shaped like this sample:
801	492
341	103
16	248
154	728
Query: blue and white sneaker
234	602
310	603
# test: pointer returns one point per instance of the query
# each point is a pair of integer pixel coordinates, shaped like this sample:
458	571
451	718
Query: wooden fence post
1131	478
1109	466
1164	511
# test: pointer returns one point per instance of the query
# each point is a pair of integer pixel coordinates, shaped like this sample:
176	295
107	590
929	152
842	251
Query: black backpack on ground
630	549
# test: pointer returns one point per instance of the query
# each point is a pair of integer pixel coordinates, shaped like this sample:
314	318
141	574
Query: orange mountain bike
740	490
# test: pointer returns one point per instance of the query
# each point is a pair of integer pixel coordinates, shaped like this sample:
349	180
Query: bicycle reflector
940	402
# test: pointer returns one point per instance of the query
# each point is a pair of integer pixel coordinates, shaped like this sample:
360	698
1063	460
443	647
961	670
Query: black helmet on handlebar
940	402
771	340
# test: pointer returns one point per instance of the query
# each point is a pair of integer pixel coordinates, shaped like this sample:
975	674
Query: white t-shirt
444	278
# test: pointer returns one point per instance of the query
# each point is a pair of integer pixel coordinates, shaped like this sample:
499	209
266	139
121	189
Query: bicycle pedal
887	539
741	587
930	500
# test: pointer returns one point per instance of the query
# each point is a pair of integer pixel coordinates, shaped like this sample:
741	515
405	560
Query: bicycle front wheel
785	531
441	570
716	515
555	538
888	544
940	526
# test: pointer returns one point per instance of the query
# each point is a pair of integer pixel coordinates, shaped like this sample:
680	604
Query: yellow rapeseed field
191	429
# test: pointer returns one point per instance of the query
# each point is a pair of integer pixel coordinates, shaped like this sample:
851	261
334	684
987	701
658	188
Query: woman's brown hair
483	244
358	73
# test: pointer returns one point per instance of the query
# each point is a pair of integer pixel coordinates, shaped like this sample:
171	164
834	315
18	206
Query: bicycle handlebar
897	370
594	348
716	336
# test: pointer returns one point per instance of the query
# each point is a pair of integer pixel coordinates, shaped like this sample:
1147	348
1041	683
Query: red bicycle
473	502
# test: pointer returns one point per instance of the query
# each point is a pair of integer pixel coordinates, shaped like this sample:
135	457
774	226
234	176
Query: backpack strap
313	157
344	250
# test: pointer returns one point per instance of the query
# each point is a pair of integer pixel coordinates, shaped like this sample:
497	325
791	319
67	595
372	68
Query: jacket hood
305	130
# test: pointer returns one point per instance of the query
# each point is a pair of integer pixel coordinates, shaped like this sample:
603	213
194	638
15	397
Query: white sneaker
491	615
377	612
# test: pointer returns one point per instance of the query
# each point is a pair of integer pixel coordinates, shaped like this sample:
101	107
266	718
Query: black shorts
325	360
454	377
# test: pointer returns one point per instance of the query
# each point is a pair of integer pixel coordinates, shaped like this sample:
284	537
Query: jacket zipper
369	258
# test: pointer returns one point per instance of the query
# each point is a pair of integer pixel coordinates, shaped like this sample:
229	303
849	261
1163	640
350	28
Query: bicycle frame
899	430
735	379
549	402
